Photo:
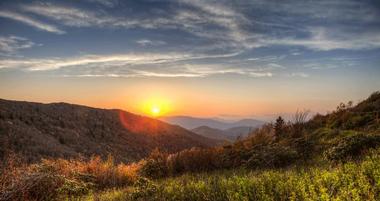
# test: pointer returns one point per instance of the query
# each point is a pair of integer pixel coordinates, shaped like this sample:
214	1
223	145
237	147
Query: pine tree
279	127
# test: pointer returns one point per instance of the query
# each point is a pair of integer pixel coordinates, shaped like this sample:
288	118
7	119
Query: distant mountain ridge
216	129
194	122
230	134
36	130
212	133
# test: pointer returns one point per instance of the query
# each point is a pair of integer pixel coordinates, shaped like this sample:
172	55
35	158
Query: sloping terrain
61	130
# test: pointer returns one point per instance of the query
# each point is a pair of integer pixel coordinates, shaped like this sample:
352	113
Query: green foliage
143	189
272	156
74	188
279	127
108	195
352	146
350	181
154	166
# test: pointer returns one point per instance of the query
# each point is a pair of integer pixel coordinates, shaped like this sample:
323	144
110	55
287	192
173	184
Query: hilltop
61	130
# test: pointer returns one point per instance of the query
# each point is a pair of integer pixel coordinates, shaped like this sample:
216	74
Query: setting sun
155	106
155	110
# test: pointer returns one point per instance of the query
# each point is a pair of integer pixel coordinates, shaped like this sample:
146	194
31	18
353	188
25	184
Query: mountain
212	133
36	130
239	131
230	134
194	122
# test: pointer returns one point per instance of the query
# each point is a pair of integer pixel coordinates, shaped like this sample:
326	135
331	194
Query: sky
226	59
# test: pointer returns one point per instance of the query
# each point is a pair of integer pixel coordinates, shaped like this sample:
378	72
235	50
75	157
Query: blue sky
307	49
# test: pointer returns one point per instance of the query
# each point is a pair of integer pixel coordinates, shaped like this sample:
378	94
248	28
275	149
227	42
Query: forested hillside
61	130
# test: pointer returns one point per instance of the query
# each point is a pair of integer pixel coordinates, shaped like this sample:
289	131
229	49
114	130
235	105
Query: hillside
62	130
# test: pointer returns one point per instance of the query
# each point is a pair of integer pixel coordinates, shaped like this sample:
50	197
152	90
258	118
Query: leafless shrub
300	116
299	121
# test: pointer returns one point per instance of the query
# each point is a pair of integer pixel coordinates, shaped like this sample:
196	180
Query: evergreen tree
279	127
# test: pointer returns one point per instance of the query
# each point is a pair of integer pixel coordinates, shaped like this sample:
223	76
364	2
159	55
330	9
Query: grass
349	181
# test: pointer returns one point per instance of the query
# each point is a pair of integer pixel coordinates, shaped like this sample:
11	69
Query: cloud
132	65
9	45
320	40
107	60
30	21
299	74
69	16
194	21
107	3
258	74
232	26
147	42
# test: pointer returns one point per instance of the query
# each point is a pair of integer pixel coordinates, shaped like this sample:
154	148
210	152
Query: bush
38	183
195	160
143	189
351	147
272	156
154	166
54	179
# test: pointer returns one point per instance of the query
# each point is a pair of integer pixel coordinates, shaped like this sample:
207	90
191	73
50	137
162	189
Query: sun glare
155	107
155	110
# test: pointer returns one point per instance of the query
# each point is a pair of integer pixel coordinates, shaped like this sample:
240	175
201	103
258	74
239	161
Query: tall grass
58	179
349	181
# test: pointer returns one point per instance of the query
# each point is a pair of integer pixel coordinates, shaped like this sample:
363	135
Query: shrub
154	166
143	189
195	160
351	147
54	179
272	156
38	183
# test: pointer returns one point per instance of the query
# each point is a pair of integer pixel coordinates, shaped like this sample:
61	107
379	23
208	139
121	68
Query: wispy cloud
30	21
107	3
299	74
322	41
69	16
147	42
229	25
108	60
9	45
132	65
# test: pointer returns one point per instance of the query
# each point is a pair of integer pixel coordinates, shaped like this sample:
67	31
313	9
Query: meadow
349	181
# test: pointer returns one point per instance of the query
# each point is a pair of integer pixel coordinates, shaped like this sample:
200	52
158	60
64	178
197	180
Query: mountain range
215	128
35	131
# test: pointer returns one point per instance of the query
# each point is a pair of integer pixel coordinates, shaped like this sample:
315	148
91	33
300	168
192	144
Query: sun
155	106
155	110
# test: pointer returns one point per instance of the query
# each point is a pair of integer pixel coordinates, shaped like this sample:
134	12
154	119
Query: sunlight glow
155	107
155	110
